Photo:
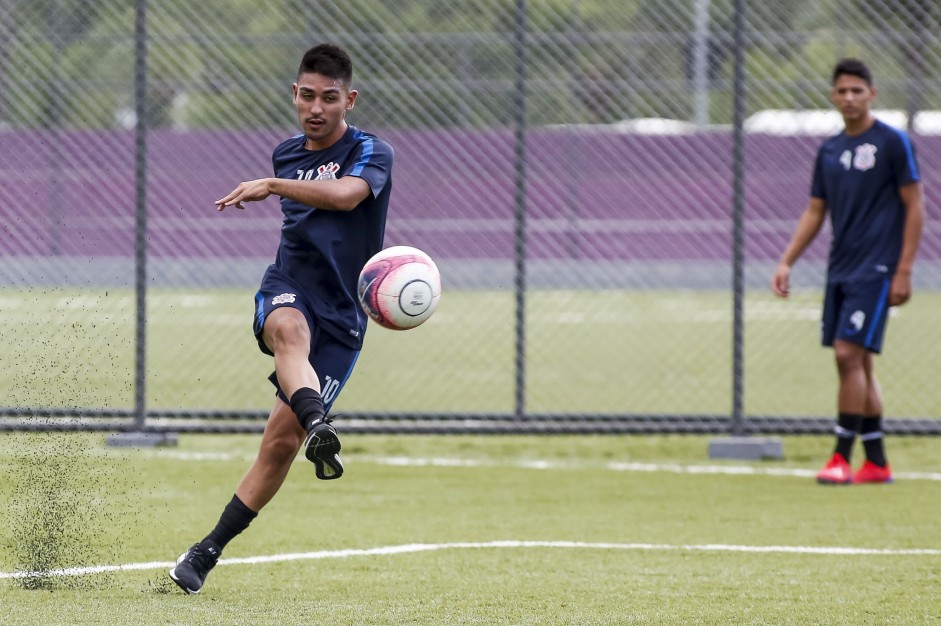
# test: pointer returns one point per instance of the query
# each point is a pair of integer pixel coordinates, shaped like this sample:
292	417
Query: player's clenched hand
901	289
246	192
781	281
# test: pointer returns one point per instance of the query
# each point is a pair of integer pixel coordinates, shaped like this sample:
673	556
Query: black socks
235	518
847	427
307	406
870	430
873	441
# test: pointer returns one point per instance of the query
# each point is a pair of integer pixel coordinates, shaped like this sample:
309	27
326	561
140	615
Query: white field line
431	547
616	466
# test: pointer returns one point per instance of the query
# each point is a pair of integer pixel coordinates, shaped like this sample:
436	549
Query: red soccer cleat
872	473
836	472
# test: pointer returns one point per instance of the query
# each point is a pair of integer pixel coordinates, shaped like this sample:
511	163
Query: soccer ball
399	287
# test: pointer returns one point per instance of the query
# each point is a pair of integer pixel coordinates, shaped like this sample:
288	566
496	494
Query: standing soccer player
334	182
867	178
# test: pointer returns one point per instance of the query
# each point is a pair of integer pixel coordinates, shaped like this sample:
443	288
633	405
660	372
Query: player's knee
849	357
287	330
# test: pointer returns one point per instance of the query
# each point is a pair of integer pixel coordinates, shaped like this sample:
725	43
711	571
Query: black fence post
738	446
139	435
519	44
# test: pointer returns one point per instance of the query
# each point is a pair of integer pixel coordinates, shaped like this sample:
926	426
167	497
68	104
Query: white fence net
586	142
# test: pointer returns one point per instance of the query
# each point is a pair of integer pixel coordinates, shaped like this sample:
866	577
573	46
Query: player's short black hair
328	60
852	67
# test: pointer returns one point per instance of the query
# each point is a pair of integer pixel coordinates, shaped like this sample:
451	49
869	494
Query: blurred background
606	186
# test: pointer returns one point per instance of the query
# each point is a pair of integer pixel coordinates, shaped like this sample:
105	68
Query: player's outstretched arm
342	194
248	191
807	228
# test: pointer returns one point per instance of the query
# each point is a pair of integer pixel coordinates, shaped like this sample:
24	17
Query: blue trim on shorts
880	308
349	373
259	309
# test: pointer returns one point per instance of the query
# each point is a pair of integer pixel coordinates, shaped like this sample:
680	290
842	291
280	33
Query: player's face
853	97
321	104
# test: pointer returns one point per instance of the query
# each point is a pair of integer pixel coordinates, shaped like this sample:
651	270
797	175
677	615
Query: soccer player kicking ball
867	178
334	181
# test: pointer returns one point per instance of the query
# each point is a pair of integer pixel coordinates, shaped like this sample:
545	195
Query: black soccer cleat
194	565
322	448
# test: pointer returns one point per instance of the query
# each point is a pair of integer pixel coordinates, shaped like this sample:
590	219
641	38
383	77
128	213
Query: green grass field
604	352
512	530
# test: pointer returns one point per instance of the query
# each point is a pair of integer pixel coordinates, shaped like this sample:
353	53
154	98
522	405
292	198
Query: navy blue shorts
856	312
331	359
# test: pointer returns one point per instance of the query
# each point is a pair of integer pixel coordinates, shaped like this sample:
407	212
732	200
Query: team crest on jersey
328	171
865	157
284	298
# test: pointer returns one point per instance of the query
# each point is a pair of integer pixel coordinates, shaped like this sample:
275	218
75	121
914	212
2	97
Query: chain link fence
570	164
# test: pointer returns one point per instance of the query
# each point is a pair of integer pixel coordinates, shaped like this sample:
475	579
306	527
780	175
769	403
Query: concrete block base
141	439
746	448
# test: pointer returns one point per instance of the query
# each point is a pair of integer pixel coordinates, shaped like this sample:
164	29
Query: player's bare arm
807	228
913	198
342	194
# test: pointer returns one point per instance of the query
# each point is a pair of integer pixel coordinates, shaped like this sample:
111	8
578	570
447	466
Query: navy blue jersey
859	179
323	251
